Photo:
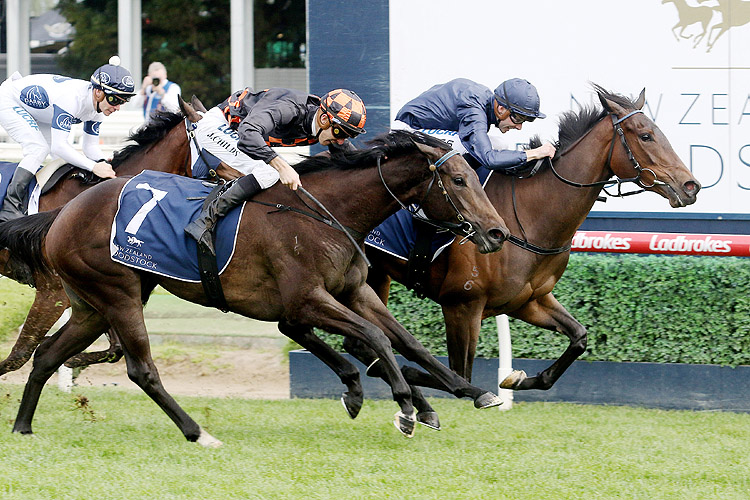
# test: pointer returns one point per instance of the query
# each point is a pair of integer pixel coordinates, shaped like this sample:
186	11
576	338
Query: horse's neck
549	210
165	155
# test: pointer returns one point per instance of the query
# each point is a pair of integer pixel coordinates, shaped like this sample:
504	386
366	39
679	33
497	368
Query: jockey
37	111
470	109
241	130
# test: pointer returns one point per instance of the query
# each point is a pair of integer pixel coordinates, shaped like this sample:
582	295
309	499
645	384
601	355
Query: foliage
15	301
191	38
310	449
676	309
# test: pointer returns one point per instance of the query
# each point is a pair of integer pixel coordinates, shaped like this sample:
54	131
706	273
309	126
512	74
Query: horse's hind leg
426	414
113	354
77	334
346	371
50	302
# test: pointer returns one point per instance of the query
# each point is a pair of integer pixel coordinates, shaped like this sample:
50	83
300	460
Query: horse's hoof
513	380
487	400
429	419
370	371
406	424
207	440
352	404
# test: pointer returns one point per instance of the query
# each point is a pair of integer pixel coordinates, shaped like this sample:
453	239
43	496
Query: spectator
157	92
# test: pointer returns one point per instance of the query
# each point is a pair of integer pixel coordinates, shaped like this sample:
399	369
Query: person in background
157	92
37	112
470	109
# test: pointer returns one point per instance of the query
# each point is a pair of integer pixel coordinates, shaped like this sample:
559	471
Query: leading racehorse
161	145
287	267
543	213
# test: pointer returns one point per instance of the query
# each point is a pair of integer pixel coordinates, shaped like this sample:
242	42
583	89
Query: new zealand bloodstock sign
662	243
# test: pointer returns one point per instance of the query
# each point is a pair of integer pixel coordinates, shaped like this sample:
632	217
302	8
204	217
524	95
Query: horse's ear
188	110
611	106
182	104
426	150
197	104
641	99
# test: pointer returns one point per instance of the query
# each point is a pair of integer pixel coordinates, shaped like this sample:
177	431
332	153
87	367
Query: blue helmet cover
113	79
519	96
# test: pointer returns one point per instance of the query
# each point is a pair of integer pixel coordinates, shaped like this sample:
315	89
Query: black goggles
115	100
519	119
339	132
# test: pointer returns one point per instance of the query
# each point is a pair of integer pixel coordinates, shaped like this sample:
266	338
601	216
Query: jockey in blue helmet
463	111
38	111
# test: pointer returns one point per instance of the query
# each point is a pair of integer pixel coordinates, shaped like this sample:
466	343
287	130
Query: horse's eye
647	137
459	181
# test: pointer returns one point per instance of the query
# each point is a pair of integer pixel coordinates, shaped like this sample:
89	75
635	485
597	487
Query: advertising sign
691	56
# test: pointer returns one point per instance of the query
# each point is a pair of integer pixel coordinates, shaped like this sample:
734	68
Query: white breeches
215	136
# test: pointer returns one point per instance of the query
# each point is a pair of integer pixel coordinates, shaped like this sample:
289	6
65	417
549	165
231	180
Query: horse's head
459	197
641	150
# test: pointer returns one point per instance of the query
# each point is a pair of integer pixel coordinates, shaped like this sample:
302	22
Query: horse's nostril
691	187
498	234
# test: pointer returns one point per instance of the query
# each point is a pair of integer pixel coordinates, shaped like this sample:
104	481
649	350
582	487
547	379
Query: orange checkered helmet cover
345	108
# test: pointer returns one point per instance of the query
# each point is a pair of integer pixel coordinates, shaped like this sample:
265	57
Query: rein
617	130
464	227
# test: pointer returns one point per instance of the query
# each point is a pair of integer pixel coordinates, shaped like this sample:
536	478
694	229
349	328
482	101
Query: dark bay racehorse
161	145
287	267
545	211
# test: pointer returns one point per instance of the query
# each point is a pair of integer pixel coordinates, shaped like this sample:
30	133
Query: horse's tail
23	237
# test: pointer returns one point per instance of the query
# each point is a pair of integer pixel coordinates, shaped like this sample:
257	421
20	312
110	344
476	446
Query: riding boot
16	194
236	192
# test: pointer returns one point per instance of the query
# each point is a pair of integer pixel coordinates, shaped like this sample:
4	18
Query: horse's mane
160	124
573	125
391	144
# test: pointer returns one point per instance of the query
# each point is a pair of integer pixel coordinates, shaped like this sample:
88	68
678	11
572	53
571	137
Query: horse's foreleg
371	308
463	322
321	310
426	415
50	302
546	312
346	371
77	334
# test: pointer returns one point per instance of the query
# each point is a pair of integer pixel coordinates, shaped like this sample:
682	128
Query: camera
155	82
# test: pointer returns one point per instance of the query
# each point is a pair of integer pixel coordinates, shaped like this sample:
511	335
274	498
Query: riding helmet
346	109
114	79
519	96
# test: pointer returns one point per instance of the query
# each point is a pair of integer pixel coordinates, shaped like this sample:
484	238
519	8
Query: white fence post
505	360
64	374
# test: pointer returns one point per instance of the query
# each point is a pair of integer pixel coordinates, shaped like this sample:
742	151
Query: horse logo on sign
708	22
134	242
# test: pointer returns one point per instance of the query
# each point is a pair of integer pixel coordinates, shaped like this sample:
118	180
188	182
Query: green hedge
678	309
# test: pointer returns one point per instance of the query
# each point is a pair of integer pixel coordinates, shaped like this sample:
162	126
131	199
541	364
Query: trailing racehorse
287	265
162	145
543	213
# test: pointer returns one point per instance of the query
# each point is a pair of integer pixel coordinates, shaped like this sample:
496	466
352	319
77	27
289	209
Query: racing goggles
339	132
519	119
115	100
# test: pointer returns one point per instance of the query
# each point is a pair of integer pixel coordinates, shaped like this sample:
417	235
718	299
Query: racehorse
543	213
160	145
286	267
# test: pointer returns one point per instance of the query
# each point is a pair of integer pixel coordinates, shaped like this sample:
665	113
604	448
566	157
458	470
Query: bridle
638	179
463	228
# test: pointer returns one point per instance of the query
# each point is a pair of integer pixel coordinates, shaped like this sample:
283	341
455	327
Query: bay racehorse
286	267
161	145
543	213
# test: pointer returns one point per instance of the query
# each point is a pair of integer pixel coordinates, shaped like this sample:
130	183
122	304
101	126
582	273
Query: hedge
677	309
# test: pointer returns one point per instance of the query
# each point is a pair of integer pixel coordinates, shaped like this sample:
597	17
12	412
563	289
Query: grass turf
120	445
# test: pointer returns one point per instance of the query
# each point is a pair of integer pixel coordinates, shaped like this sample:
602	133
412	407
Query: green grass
15	301
124	447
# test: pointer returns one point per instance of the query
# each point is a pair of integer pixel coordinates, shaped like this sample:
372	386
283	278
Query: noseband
638	179
464	227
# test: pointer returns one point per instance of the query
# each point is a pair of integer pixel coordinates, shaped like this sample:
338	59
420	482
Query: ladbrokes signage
693	58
